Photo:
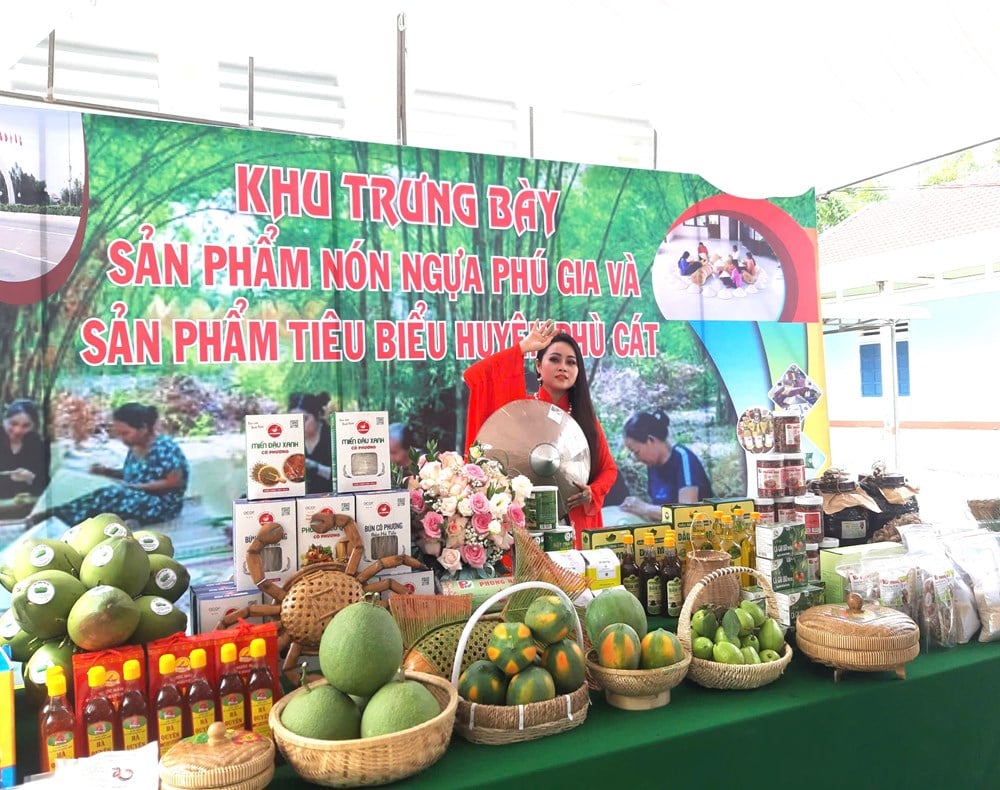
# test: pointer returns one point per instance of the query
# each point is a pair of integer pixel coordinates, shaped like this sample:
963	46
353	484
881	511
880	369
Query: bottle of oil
748	550
56	722
133	708
649	576
200	695
670	574
630	570
169	706
100	719
728	542
260	689
686	544
232	690
713	535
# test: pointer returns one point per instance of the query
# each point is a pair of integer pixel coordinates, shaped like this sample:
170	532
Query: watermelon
616	605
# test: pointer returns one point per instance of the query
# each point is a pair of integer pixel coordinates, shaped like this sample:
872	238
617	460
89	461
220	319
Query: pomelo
361	649
320	711
398	705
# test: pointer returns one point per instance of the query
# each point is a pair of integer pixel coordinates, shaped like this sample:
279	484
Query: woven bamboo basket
370	761
857	637
713	674
637	689
495	725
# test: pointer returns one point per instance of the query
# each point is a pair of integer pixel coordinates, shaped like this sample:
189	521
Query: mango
103	617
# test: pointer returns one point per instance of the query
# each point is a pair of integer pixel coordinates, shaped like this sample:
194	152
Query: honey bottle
670	574
630	570
200	695
260	689
100	719
649	577
168	705
56	722
133	710
232	690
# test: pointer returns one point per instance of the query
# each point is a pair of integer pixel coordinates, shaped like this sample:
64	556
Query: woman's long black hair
579	397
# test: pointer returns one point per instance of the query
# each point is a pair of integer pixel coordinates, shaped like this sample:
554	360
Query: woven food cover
857	636
219	759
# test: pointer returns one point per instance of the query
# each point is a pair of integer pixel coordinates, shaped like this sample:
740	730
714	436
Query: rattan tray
637	689
495	725
858	637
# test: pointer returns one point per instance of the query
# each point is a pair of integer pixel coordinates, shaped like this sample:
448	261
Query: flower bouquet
463	512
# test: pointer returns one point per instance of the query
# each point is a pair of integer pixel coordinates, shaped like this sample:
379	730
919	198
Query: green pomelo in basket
158	618
550	618
154	542
361	649
167	578
320	711
564	660
398	705
616	605
42	602
660	648
42	554
21	643
533	684
484	683
96	529
618	647
103	617
511	647
119	562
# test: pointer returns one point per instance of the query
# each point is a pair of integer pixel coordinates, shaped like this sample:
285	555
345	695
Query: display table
937	728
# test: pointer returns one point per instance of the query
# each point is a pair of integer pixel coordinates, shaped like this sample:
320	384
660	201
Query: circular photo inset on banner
755	430
43	200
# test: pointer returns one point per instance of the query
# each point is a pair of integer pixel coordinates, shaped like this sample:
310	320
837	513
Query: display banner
213	272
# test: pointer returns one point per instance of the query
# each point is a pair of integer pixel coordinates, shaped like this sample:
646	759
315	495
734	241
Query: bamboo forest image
216	271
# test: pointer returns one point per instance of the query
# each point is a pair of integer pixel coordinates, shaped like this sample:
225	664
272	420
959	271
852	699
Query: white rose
446	506
464	507
499	504
522	487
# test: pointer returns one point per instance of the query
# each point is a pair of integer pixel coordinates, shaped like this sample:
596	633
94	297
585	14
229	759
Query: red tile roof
917	217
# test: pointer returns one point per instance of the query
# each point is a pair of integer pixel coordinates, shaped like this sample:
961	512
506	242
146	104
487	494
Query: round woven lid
853	626
216	759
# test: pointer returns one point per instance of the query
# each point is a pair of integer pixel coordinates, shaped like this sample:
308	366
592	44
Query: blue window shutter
871	370
903	366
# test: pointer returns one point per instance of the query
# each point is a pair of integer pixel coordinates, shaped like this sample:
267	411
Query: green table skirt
940	727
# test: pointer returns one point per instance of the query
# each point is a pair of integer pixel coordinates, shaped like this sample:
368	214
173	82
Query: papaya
565	662
550	618
660	648
483	682
618	647
511	647
533	684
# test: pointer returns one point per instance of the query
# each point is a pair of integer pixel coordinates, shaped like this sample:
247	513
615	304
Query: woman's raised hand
539	337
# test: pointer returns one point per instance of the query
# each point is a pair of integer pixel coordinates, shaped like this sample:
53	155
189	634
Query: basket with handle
499	724
716	675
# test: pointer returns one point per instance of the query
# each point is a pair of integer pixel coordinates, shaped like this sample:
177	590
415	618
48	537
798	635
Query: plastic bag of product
860	579
933	599
977	556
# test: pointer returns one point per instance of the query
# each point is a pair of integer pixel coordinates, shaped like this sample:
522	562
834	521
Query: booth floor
937	728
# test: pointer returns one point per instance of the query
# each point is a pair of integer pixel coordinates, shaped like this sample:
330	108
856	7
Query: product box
605	538
481	589
211	602
572	561
558	539
791	603
415	582
276	456
8	754
276	517
113	660
831	559
602	568
656	533
785	572
320	523
729	504
360	451
756	594
384	523
775	541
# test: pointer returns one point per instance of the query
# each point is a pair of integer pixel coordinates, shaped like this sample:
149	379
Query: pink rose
417	501
479	503
516	515
474	555
481	523
432	522
474	473
451	560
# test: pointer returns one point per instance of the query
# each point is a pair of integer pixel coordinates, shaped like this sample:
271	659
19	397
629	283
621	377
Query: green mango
727	653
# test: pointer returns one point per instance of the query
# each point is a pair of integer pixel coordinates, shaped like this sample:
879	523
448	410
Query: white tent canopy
763	99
